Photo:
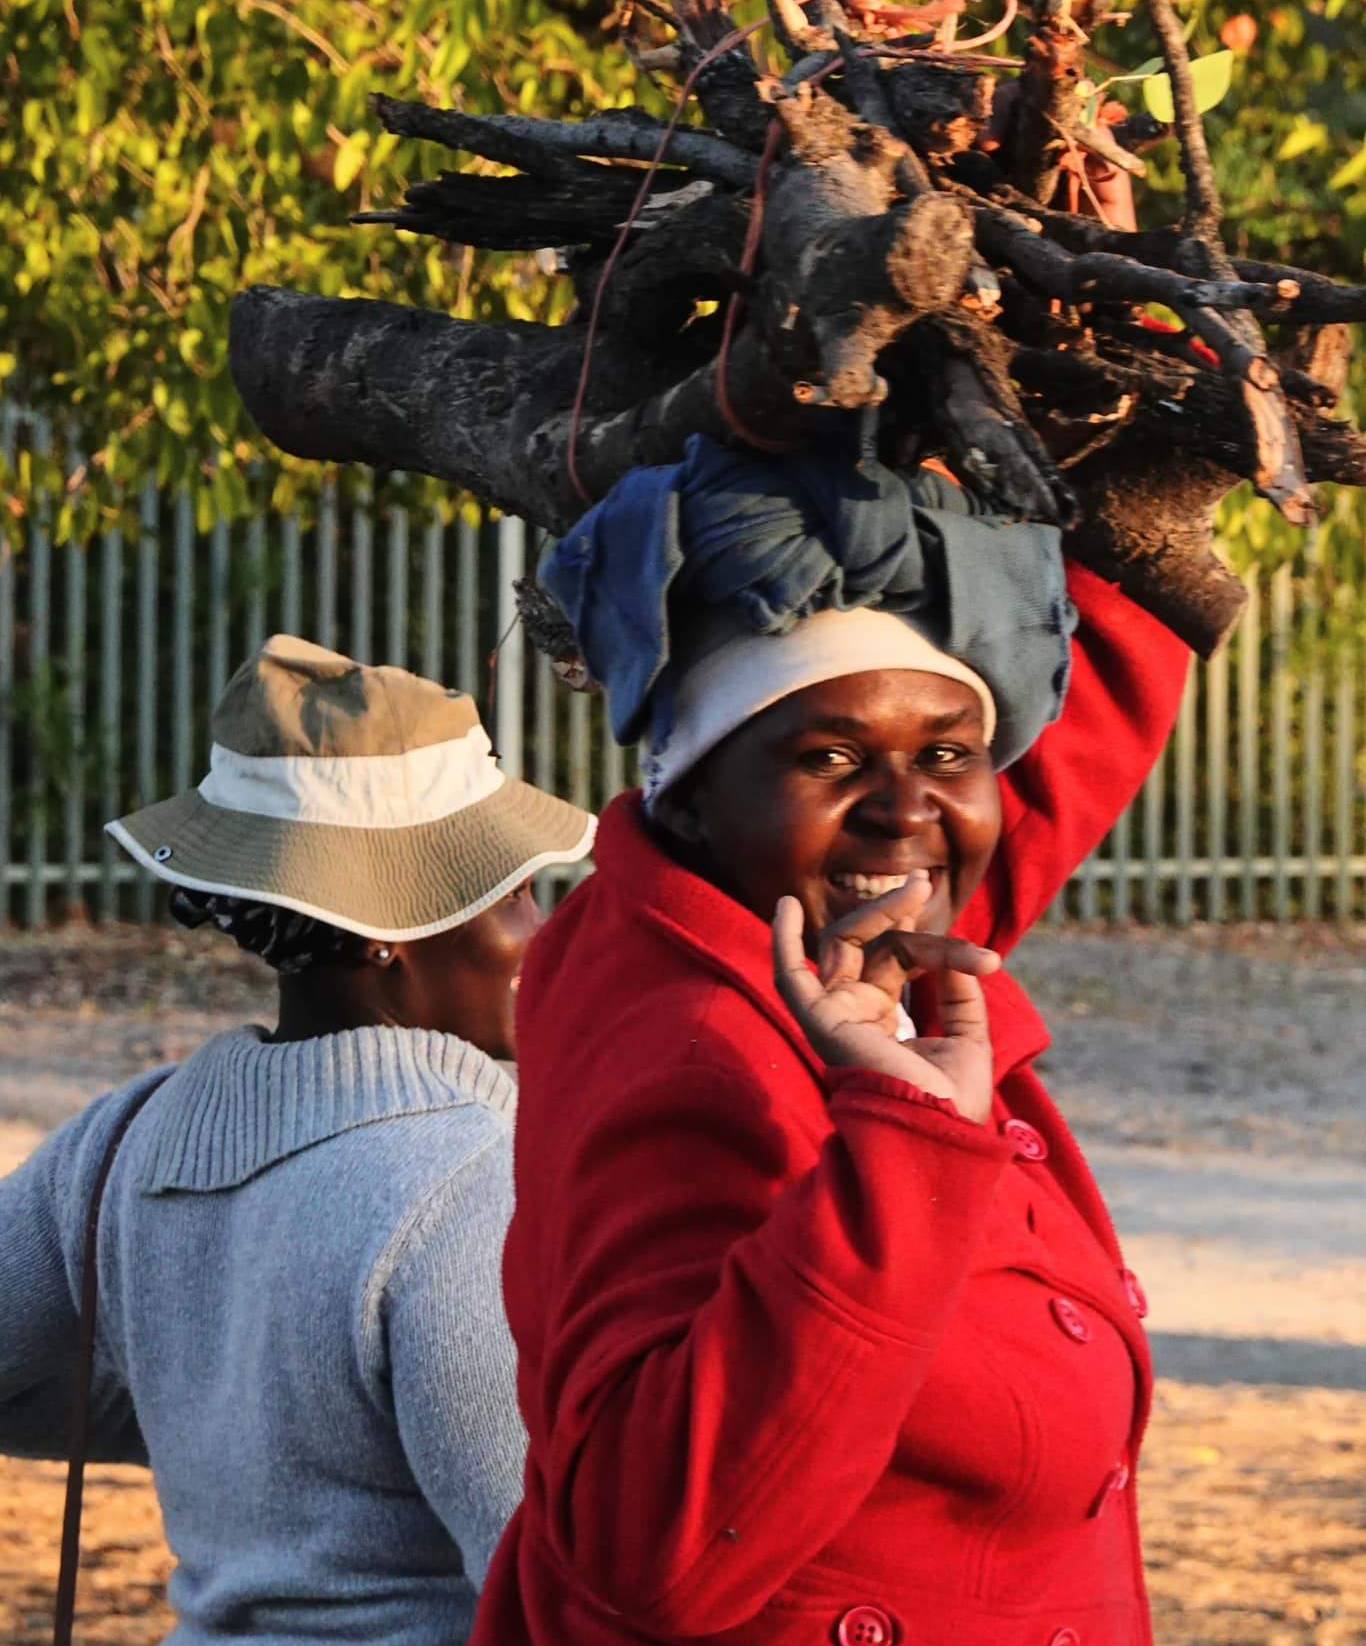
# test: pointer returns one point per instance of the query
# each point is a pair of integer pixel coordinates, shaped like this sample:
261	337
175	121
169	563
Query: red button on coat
1134	1292
1026	1141
1066	1637
864	1626
1070	1318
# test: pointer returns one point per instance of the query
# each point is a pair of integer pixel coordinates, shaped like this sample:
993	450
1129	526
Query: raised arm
717	1329
1061	799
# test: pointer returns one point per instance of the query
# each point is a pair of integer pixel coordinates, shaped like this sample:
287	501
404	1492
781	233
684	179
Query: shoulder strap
65	1612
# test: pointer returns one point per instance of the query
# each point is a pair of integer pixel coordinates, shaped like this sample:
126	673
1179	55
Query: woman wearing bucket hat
825	1335
298	1246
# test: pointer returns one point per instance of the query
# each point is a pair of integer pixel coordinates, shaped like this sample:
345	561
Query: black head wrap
287	941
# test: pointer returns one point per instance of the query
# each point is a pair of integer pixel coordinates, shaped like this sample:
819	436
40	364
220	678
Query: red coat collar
719	933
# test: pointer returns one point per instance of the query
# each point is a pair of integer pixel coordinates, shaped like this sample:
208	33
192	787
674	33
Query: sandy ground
1215	1078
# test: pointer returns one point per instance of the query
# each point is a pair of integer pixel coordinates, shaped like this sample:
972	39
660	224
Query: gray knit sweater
299	1268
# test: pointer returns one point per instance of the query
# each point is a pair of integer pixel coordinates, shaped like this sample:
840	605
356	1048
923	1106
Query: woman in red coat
825	1335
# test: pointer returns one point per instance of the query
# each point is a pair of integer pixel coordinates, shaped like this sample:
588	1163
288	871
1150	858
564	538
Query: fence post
1344	778
182	666
396	649
580	774
291	576
40	651
219	550
147	670
1154	799
256	588
75	681
111	710
1185	802
467	608
360	644
9	420
433	548
1280	740
1216	771
325	619
1249	662
511	652
1311	633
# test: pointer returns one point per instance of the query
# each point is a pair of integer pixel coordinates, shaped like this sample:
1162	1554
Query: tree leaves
158	155
1211	78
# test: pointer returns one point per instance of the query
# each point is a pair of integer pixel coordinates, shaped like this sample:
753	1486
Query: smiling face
837	792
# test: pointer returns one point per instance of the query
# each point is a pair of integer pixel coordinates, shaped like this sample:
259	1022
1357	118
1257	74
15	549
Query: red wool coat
804	1358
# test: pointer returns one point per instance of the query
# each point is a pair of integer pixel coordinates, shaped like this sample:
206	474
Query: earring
383	954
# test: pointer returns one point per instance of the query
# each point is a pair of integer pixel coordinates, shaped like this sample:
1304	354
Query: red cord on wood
753	236
730	41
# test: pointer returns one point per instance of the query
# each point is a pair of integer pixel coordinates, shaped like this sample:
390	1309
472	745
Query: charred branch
538	146
1048	103
1007	237
941	109
579	205
1148	525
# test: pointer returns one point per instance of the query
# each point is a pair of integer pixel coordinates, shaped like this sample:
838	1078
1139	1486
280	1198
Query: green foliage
158	155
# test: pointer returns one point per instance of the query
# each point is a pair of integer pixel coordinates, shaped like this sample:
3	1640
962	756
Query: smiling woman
824	1332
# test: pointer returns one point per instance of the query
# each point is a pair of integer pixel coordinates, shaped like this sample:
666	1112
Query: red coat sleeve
1062	798
734	1343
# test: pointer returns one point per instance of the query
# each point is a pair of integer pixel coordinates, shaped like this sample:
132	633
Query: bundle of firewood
900	222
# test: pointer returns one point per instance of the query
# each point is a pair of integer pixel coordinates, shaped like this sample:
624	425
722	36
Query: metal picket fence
112	654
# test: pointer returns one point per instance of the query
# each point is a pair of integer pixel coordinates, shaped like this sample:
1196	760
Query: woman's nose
903	802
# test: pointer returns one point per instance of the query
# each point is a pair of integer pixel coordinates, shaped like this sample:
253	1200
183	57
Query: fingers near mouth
923	951
903	896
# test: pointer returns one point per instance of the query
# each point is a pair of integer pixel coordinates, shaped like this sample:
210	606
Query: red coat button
1070	1318
1134	1292
1025	1140
864	1626
1066	1637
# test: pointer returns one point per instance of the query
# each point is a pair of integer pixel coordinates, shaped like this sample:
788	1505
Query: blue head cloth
775	539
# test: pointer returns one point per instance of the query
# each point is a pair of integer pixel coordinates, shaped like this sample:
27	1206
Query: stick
536	146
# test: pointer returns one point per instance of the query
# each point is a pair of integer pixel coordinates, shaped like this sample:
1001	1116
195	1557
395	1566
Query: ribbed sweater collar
242	1102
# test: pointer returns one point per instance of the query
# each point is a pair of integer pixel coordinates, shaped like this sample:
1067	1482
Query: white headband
750	672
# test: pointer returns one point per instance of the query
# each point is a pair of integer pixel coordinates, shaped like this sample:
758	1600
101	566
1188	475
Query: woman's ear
676	813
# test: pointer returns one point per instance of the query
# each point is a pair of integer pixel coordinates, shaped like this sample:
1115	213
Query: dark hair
287	941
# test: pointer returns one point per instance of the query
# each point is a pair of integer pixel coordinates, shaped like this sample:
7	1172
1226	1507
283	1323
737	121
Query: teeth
868	886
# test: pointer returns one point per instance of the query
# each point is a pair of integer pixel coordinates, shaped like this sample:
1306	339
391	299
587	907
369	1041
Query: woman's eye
944	757
829	762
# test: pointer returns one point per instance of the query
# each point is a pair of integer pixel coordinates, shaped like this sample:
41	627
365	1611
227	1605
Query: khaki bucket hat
366	797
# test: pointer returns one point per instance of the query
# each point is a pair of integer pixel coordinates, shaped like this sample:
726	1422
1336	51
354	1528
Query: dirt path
1216	1083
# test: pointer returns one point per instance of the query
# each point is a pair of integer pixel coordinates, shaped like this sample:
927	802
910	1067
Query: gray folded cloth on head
775	539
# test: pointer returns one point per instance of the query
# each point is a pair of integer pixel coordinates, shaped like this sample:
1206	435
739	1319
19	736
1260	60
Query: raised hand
847	1007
